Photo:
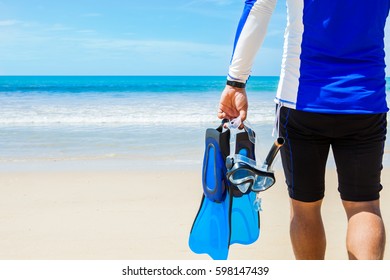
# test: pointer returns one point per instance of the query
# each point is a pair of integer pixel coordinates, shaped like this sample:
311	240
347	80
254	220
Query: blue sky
127	37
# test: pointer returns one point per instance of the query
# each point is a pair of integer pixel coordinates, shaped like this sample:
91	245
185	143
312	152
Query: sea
119	122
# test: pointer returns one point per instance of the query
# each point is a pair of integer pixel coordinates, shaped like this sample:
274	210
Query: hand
233	103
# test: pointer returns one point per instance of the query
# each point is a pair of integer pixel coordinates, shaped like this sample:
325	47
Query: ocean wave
123	120
122	112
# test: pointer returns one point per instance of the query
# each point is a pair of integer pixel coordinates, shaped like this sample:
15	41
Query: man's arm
250	35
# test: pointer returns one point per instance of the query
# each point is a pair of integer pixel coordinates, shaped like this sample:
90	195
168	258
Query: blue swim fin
245	220
226	215
210	233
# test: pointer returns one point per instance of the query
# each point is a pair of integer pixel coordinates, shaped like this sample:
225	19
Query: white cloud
9	22
58	27
155	47
57	49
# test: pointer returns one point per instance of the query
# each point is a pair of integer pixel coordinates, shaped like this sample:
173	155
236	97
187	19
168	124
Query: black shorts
357	142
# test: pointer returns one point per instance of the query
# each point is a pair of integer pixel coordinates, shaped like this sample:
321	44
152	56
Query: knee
305	210
355	207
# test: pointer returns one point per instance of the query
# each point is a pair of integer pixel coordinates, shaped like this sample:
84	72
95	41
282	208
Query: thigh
358	154
304	154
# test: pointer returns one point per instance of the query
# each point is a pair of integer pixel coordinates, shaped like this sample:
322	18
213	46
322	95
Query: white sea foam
183	111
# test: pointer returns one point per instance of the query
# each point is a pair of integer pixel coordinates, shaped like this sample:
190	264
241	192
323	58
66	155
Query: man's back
339	52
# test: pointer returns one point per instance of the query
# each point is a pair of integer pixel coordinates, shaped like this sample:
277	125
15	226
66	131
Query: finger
227	112
221	115
243	114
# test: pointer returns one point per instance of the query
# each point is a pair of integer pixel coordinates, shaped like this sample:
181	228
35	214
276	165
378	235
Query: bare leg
307	230
366	237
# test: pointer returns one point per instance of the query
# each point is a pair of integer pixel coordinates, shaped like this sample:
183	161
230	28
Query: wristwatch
235	84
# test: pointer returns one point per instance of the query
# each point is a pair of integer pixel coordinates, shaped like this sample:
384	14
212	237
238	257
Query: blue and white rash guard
333	59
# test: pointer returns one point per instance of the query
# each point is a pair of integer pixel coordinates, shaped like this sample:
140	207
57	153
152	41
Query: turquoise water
109	101
131	121
123	84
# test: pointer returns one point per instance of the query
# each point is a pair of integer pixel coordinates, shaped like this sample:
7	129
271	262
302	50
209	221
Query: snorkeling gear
245	174
229	210
210	232
226	216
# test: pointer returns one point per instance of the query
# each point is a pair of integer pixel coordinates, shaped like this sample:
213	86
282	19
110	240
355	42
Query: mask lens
241	174
245	178
242	178
262	183
244	187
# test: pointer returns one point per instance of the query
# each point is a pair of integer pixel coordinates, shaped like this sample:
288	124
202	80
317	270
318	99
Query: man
331	93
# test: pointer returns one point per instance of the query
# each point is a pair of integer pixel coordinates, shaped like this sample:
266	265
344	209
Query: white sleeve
250	35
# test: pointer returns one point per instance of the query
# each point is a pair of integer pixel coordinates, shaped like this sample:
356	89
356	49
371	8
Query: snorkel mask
243	172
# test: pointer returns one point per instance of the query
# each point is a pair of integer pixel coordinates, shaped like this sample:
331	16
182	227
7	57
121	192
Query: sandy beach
139	215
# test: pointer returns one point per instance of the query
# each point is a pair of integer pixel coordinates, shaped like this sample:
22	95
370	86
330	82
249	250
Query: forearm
249	37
